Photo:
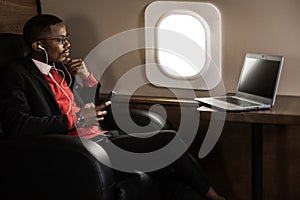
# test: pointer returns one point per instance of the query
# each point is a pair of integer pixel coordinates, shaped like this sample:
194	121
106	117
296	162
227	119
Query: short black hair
37	26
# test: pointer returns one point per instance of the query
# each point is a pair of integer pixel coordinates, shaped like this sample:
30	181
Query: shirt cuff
90	81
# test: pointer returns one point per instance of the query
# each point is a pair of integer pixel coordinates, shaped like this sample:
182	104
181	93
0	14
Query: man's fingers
101	113
108	103
103	106
100	119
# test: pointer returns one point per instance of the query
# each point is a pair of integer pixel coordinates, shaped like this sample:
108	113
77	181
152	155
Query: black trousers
184	174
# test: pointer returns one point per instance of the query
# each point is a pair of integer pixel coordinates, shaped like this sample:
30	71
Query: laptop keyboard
238	102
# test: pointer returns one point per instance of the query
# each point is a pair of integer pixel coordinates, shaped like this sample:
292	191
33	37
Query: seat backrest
12	46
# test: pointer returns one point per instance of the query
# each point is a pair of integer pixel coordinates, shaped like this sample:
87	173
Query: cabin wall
14	13
266	26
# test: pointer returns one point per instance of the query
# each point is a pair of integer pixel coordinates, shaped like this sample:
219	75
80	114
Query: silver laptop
257	87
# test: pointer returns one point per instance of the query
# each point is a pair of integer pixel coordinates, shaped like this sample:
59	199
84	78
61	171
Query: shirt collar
43	67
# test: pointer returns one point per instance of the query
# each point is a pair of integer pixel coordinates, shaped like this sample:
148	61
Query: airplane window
183	44
172	63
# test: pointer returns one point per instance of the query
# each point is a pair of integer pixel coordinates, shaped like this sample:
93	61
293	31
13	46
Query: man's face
56	48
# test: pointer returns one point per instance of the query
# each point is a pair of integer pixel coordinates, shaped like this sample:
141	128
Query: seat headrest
12	46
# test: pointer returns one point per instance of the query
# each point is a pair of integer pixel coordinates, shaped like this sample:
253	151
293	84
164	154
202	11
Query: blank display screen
259	77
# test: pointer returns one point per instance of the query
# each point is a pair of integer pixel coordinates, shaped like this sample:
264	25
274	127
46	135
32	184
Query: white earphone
59	85
44	50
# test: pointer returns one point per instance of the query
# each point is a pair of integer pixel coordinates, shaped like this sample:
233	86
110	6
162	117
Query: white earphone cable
46	54
69	99
70	77
63	76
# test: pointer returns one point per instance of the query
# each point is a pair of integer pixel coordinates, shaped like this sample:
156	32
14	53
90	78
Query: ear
35	46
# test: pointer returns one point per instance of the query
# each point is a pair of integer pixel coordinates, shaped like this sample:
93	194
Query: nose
67	43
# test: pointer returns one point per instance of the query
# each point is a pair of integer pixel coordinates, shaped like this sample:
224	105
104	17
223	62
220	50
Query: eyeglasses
62	39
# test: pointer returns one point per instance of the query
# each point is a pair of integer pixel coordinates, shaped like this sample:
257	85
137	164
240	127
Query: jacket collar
44	68
34	70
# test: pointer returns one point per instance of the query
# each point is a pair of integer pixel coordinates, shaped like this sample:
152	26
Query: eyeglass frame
62	39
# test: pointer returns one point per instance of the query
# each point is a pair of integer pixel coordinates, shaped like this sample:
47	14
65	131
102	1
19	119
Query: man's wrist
84	75
80	121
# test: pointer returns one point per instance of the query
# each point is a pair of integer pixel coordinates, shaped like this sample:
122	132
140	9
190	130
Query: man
31	105
37	99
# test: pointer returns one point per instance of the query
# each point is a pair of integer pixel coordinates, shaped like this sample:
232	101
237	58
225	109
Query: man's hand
100	110
77	66
93	115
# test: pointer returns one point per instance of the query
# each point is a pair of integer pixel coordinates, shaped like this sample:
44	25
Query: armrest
140	117
54	167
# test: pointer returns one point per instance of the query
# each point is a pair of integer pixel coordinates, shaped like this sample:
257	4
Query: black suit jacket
28	106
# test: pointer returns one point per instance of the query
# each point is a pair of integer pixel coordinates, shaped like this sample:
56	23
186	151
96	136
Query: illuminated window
183	44
188	26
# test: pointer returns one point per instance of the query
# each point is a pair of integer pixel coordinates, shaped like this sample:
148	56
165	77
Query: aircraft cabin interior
154	59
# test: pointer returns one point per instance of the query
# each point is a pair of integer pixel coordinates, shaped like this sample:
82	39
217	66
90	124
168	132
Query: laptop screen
260	76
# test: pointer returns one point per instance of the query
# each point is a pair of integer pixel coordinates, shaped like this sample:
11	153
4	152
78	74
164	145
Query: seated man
37	98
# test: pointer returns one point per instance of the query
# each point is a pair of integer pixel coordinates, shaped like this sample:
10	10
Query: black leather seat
54	167
12	47
61	166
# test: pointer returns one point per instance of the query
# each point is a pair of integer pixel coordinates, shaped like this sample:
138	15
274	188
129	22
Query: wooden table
285	112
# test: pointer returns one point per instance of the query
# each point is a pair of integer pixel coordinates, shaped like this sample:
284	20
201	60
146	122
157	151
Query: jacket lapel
38	75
